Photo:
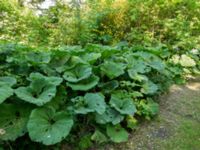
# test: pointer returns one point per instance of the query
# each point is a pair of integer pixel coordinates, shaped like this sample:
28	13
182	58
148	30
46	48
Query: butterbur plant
96	92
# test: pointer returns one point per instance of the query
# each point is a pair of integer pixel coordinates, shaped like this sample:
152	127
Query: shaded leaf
13	120
99	137
108	87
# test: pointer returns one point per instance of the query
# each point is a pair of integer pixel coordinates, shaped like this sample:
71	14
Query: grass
187	137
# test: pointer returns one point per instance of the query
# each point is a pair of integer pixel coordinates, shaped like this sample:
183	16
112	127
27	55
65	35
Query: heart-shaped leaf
96	101
109	116
112	69
80	72
81	107
41	90
91	102
122	104
49	127
72	62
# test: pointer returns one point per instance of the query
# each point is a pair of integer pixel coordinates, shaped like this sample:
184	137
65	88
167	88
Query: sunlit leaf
78	73
117	133
122	104
41	90
49	127
112	69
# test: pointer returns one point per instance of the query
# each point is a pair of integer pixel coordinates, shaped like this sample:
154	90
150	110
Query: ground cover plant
85	72
87	95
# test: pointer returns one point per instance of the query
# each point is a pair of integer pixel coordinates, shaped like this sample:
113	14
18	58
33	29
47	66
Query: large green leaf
78	73
135	76
117	133
49	127
91	102
157	64
137	65
109	116
122	104
80	105
5	87
72	62
112	69
96	101
13	120
85	84
149	88
91	57
151	60
41	90
38	57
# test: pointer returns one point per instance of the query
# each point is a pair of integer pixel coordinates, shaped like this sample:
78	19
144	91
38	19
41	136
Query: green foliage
47	126
51	94
13	121
41	90
98	137
50	91
122	104
117	133
173	23
5	87
112	69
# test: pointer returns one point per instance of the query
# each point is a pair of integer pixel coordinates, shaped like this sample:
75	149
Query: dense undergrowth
53	93
84	95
